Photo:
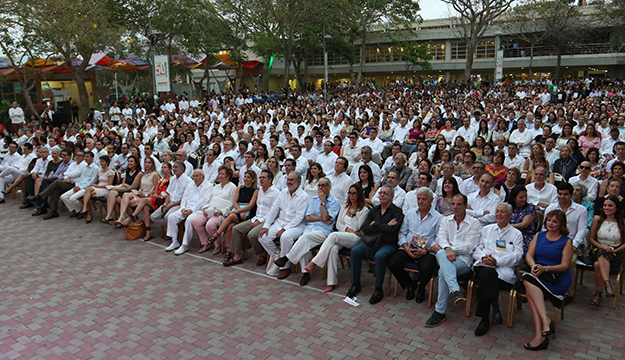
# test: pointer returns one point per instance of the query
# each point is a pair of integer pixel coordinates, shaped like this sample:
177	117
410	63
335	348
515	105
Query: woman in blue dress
549	256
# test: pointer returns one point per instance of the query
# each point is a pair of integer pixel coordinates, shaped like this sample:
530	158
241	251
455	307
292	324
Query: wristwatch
323	204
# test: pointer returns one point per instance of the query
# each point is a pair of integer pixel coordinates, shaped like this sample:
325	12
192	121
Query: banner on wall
499	66
161	73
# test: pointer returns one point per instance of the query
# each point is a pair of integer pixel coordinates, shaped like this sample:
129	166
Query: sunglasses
584	167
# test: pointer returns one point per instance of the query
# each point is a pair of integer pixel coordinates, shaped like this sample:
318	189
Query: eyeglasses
384	193
353	193
584	167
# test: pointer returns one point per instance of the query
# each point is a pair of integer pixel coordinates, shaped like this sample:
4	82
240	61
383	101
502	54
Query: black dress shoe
27	205
378	295
33	198
53	214
2	201
497	319
482	327
305	279
410	293
354	290
420	297
281	262
40	211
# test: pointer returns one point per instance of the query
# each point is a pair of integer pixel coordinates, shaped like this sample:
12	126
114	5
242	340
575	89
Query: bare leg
141	204
37	185
535	299
229	234
124	205
16	182
110	204
86	199
231	219
604	268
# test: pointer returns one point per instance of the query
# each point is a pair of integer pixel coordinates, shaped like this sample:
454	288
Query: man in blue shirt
321	216
416	236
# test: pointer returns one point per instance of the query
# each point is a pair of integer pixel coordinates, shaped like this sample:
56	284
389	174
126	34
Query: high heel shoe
128	221
87	221
609	292
542	346
212	241
551	331
148	234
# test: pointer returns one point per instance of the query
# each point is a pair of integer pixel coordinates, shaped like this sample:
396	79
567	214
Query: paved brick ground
74	291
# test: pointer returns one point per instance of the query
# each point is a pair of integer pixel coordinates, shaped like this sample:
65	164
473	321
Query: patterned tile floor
71	290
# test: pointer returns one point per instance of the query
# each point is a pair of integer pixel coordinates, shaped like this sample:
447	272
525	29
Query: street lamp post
325	64
153	34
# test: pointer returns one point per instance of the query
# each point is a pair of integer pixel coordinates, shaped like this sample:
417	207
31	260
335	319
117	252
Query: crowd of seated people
459	180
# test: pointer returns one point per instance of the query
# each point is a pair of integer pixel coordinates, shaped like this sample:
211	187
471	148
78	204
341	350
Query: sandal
148	230
596	300
129	220
229	257
262	259
212	240
609	292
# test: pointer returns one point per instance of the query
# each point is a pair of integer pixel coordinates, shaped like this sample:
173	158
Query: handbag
370	239
135	231
552	277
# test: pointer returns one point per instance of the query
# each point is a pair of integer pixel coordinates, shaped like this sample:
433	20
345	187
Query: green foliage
5	105
414	54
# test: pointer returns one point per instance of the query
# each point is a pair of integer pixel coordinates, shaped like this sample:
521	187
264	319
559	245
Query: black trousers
427	265
490	284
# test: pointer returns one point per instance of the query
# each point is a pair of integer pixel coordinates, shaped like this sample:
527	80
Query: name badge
501	245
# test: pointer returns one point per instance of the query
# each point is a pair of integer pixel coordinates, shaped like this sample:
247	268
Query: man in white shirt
181	155
198	192
98	151
365	159
392	180
466	131
18	168
513	160
584	177
115	114
551	152
301	162
309	151
482	204
541	193
327	158
376	145
16	114
498	252
522	138
127	112
8	160
250	228
211	166
457	238
194	103
249	165
340	180
285	220
472	184
608	143
177	185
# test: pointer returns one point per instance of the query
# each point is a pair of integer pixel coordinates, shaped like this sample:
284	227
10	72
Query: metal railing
571	49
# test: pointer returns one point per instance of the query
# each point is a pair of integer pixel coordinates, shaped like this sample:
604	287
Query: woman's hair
106	159
617	163
489	145
501	154
370	183
516	190
427	162
561	217
251	173
208	142
516	172
451	155
266	154
280	158
137	163
151	161
309	176
454	184
595	150
227	169
166	164
361	197
470	153
618	215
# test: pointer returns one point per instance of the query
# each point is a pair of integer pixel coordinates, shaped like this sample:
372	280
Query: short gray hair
583	187
402	155
368	148
298	176
425	190
508	206
326	180
390	189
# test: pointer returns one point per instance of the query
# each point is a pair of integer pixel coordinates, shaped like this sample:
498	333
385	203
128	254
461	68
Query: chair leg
163	231
619	284
396	285
577	275
467	309
431	291
555	320
511	307
388	288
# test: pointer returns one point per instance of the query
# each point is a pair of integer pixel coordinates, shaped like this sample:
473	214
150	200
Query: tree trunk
288	58
361	67
558	61
29	101
305	74
469	63
83	94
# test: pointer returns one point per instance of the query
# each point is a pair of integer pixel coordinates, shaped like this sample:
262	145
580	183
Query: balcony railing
571	49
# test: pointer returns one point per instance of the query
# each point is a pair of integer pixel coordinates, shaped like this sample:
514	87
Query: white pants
300	252
174	220
72	201
159	218
286	240
7	176
329	252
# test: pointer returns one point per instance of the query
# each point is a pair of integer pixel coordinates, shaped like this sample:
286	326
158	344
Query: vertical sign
499	66
161	73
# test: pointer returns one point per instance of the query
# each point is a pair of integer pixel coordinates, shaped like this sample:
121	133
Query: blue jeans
364	252
448	278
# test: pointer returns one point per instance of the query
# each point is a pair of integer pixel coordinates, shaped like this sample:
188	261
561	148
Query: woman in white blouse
311	185
351	218
212	214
